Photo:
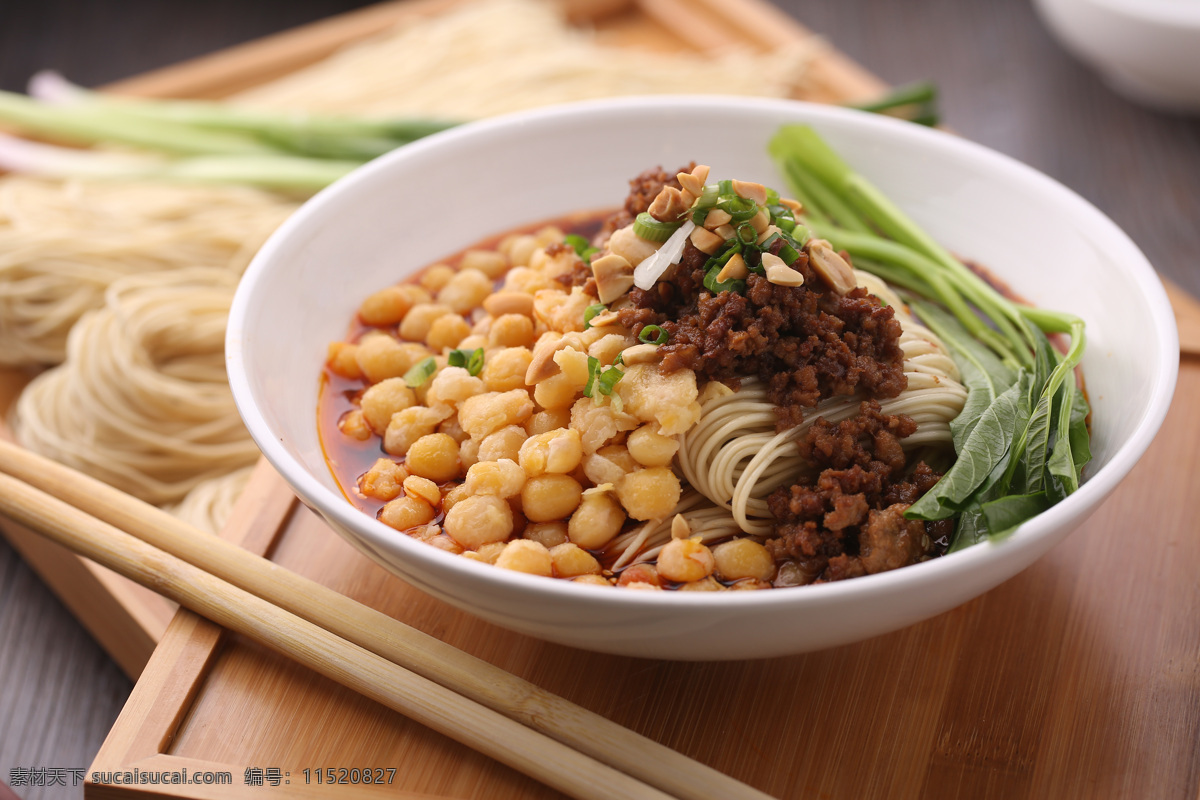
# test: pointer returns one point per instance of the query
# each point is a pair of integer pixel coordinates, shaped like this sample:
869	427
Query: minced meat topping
847	518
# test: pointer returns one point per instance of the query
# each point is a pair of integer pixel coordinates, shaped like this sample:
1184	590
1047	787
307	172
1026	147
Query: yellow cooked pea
549	497
550	534
408	426
452	429
650	493
592	580
500	478
526	555
487	413
596	522
436	277
423	489
489	262
415	294
353	425
446	332
383	481
570	560
383	400
478	520
650	448
685	560
743	558
465	291
504	443
468	453
709	584
343	360
434	456
511	330
385	307
452	385
406	512
419	320
521	250
504	370
380	357
558	450
548	420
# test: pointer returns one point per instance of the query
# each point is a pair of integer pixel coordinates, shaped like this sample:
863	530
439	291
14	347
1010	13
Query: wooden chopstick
479	681
373	676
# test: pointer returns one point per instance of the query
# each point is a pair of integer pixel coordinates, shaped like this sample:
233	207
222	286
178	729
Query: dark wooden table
1004	83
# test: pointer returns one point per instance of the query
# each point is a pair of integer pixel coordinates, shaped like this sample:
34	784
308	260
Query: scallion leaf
420	372
472	360
608	379
654	230
582	247
653	334
593	371
732	285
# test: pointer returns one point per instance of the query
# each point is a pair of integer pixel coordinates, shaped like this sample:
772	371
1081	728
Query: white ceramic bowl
405	211
1147	50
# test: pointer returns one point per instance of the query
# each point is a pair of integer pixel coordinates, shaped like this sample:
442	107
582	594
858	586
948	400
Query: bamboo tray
1077	678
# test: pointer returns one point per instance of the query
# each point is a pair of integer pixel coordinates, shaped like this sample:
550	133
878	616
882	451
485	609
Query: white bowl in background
407	210
1147	50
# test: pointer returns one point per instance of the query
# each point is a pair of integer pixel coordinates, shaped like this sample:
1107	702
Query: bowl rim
420	556
1169	13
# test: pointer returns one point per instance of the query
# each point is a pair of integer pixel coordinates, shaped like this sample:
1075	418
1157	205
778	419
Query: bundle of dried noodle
497	56
142	401
62	244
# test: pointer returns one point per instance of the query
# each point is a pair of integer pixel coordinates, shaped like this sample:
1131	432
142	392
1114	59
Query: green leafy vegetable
1021	438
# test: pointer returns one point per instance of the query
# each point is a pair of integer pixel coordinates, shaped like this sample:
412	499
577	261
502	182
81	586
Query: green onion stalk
1021	440
215	142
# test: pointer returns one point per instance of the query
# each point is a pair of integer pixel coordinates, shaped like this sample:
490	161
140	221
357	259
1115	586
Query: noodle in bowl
396	216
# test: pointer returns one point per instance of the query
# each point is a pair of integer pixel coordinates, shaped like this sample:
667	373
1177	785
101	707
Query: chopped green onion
583	248
590	313
593	370
653	230
608	379
731	285
741	209
620	359
602	379
471	359
653	334
706	200
420	373
746	233
788	249
782	217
